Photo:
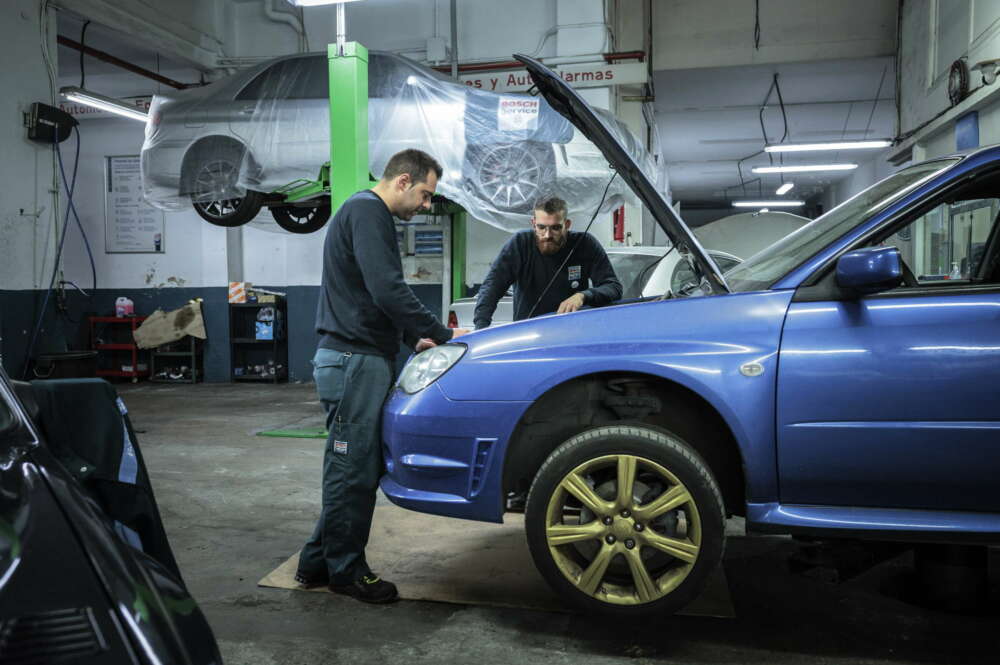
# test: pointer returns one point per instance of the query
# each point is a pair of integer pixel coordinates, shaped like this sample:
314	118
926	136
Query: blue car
842	382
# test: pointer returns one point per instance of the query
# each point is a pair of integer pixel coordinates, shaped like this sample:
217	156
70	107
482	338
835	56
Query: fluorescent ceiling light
830	145
768	204
109	104
316	3
784	189
803	168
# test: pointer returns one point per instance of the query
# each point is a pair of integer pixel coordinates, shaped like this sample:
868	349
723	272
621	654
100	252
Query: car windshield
633	271
767	266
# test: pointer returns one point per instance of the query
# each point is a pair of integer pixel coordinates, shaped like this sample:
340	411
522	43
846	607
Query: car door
891	400
283	115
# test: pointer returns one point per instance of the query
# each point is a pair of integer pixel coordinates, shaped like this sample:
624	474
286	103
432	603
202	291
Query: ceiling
107	78
708	119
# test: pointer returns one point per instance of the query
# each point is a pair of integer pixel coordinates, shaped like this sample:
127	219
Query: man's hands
427	343
571	304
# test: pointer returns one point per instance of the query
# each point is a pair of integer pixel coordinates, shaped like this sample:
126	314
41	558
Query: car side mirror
870	270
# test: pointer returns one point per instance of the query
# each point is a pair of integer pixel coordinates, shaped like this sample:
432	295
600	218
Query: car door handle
248	110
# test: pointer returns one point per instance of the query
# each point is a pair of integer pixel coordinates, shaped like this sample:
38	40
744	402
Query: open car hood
566	101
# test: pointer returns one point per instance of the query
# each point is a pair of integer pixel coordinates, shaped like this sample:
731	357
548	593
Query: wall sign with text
130	224
578	76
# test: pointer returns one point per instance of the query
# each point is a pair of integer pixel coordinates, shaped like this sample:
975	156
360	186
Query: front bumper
446	457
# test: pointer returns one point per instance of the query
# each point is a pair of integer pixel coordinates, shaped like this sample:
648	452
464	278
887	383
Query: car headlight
427	367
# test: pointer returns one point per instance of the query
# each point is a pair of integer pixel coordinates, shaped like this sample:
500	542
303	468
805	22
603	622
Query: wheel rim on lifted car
623	529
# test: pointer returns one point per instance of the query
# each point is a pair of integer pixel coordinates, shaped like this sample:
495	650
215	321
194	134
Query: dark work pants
352	388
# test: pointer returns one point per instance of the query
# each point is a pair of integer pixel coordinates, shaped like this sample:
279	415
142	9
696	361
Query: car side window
298	78
725	263
262	85
947	243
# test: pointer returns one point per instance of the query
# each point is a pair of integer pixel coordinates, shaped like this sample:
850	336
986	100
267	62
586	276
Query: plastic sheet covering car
227	147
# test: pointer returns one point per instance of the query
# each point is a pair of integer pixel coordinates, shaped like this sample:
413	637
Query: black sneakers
308	582
369	589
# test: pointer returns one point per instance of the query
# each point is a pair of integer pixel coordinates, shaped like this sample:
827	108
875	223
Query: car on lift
77	585
230	148
832	385
643	272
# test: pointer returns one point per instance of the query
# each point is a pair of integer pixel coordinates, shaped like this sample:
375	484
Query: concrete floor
236	505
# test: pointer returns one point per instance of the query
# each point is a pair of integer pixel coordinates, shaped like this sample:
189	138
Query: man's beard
407	216
549	246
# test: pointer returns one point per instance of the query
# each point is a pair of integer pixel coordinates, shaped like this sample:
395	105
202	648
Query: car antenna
575	245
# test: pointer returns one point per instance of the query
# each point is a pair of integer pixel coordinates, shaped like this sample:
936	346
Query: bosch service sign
514	113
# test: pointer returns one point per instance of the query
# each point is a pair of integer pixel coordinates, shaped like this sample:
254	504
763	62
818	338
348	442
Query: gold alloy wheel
658	539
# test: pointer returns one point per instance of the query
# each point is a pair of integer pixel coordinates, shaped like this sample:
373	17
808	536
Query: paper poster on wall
130	224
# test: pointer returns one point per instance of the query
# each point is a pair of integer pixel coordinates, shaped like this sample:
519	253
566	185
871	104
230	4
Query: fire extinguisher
618	224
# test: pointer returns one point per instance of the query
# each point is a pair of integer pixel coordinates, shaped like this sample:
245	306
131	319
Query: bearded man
534	262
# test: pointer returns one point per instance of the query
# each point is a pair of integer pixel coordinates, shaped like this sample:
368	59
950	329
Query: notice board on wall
130	224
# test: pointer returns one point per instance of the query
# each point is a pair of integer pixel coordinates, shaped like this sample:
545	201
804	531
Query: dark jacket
365	306
520	263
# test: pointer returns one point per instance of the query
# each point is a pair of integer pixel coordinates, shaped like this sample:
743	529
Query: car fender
722	348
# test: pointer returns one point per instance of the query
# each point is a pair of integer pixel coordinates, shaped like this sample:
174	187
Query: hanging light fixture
779	203
803	168
828	145
102	102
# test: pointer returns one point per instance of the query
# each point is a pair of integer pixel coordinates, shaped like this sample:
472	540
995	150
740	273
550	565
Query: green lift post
347	171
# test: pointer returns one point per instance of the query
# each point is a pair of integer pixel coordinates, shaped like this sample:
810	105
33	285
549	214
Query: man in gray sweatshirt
365	309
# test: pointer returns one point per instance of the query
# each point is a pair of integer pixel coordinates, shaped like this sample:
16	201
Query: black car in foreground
86	573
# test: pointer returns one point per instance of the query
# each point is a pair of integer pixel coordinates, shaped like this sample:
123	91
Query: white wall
195	252
26	168
689	34
935	33
282	259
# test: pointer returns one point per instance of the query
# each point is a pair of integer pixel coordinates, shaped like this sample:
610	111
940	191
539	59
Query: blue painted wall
66	331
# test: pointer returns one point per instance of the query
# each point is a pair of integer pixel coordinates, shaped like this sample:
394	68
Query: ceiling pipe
454	38
285	17
567	60
135	69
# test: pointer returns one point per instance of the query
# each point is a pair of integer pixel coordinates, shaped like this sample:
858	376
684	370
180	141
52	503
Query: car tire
220	168
648	551
510	177
301	219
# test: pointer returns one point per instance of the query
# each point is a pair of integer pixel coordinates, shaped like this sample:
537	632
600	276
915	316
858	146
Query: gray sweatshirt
365	306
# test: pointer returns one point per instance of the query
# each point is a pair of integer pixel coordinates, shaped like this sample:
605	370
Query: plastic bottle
955	272
124	307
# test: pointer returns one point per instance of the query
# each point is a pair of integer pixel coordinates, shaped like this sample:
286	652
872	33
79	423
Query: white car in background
643	271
